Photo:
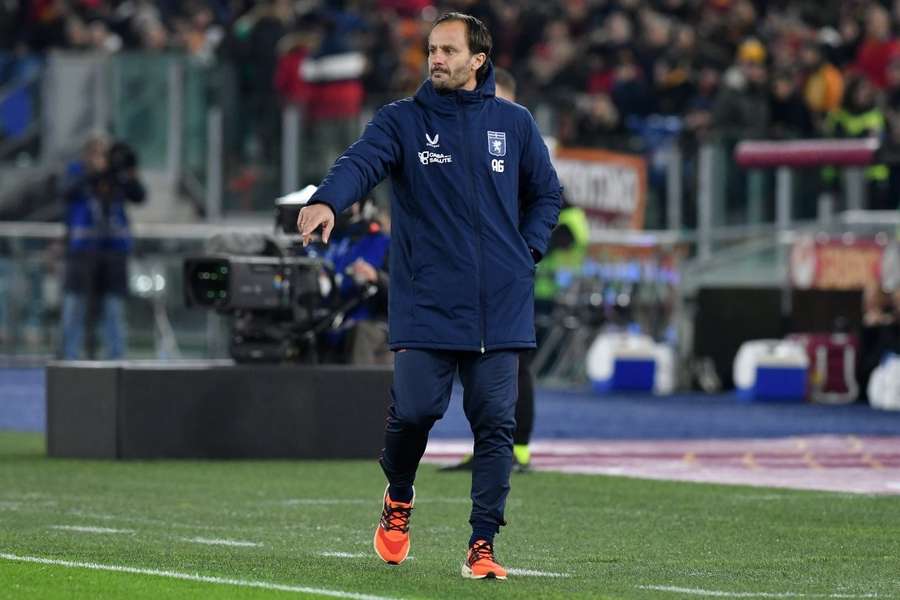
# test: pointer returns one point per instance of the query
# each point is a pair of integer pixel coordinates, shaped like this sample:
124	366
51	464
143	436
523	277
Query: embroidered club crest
497	143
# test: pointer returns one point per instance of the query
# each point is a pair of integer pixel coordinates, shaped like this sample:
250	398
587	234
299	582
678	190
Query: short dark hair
477	36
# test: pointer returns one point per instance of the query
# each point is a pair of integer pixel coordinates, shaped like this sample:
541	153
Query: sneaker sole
468	574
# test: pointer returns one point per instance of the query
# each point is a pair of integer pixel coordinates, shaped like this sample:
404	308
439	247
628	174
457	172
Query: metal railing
159	324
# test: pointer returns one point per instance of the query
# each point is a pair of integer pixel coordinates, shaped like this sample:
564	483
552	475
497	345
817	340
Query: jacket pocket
529	263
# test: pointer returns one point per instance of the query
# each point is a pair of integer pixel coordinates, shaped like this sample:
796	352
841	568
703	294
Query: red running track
866	465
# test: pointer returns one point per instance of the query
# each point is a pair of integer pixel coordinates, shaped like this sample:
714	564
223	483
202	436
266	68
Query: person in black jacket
475	197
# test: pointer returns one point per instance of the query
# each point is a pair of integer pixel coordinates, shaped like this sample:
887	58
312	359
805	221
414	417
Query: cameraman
98	241
359	253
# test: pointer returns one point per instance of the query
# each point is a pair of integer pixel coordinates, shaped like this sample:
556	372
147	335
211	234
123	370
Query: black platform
214	409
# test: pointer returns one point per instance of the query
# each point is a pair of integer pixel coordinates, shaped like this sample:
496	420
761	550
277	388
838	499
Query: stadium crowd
732	68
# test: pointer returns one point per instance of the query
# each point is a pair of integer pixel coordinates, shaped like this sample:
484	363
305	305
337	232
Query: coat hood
448	101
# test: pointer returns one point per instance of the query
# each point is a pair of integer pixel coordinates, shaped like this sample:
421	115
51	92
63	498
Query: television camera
280	298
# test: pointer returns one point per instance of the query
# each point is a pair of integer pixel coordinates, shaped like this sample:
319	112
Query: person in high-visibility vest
858	117
568	247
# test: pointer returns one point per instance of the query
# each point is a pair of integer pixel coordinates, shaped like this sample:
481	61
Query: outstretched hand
311	218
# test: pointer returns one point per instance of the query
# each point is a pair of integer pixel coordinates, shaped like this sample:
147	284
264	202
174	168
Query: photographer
98	242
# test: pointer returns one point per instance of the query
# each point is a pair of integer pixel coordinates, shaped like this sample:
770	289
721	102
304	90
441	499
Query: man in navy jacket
462	260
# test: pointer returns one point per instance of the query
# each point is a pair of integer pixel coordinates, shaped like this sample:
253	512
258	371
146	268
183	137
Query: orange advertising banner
611	187
837	264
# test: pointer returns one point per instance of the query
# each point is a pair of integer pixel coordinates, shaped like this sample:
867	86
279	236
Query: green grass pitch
610	537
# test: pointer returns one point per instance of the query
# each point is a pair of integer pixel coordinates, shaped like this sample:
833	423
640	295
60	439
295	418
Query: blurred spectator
891	146
698	116
258	33
196	32
331	70
552	53
407	36
846	41
741	108
824	85
685	43
153	36
618	31
508	33
673	88
595	123
789	116
293	50
598	70
99	241
655	42
101	38
505	84
878	46
860	116
630	91
880	332
139	22
741	21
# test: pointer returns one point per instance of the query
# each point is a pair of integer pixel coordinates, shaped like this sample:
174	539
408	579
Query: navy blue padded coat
473	190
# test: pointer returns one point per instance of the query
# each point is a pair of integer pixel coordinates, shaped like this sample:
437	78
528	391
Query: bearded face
451	65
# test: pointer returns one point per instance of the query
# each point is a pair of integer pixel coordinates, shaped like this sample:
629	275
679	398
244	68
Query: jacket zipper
465	144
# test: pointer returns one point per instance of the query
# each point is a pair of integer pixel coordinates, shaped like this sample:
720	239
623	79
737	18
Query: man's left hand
363	271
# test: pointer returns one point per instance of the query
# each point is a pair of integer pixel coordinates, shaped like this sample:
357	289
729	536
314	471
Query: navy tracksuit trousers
423	380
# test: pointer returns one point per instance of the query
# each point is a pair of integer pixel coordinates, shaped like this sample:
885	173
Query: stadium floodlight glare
287	208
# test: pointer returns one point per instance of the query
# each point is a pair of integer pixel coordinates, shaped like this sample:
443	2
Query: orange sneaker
392	533
480	563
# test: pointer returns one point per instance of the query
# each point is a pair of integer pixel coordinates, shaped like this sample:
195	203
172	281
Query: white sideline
194	577
533	573
723	594
220	542
86	529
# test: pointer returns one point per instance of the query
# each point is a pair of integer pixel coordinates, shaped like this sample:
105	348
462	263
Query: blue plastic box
629	375
777	384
